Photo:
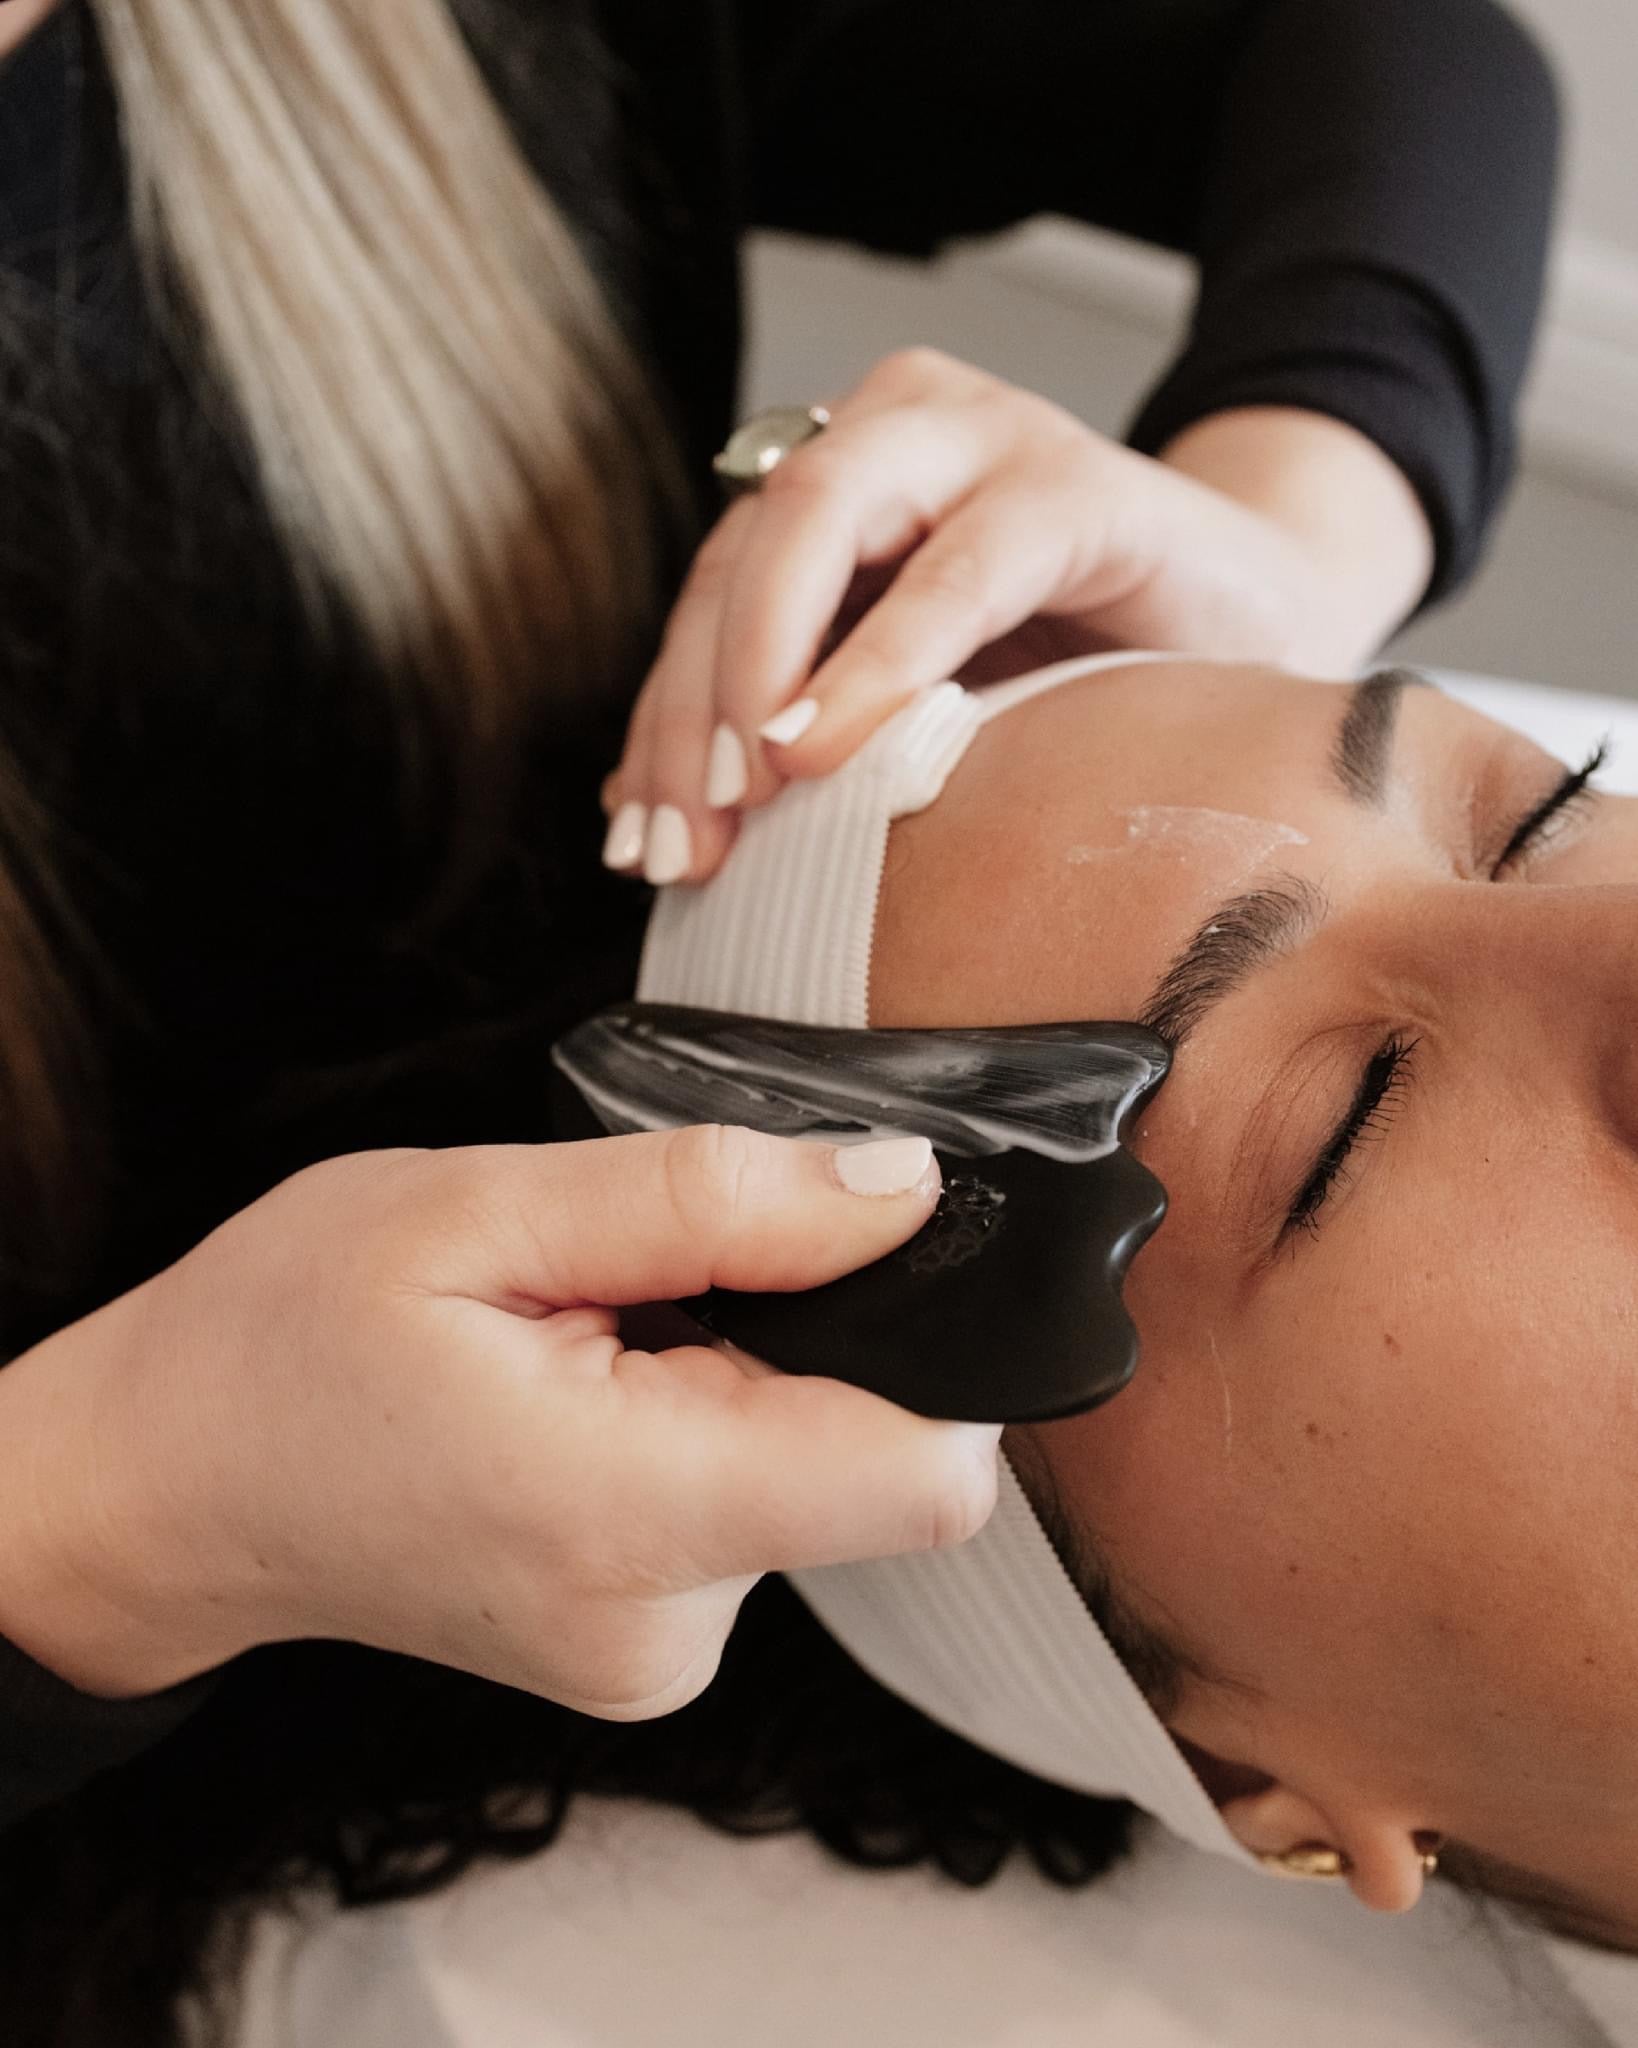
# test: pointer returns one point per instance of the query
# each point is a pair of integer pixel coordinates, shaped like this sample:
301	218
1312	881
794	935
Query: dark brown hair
377	1777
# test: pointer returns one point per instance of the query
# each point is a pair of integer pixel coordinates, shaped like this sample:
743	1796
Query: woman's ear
1382	1857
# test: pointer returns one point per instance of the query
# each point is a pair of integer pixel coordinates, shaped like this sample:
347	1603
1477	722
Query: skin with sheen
1377	1468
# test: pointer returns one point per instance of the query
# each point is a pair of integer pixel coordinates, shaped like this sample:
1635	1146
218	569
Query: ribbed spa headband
990	1638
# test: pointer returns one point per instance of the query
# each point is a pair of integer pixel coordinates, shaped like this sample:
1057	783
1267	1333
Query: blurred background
1088	319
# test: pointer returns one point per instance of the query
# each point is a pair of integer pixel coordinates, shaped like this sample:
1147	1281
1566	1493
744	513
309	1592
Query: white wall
1596	45
1089	319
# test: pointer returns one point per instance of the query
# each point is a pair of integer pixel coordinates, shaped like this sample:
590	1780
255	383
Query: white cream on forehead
1188	826
1186	832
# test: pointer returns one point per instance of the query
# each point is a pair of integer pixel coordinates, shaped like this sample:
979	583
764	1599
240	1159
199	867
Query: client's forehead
1086	832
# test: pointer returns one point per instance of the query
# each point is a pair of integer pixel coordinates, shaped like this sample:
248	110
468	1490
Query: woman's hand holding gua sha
944	523
389	1403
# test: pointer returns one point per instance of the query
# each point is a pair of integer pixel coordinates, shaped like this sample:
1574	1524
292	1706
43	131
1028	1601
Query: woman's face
1379	1462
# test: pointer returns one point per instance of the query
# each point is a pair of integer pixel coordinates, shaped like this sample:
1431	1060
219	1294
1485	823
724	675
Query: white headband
990	1638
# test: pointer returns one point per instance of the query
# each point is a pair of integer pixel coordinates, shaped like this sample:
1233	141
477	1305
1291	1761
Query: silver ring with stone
755	449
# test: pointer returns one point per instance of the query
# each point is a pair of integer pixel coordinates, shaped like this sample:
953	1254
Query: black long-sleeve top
1366	185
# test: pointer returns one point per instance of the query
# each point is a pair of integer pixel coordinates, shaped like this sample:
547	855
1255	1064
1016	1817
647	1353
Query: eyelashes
1387	1076
1390	1070
1573	790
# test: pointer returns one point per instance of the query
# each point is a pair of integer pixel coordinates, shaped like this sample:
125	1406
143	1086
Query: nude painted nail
623	848
886	1166
670	850
728	775
790	724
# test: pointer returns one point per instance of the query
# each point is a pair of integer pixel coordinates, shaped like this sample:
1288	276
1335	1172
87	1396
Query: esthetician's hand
948	524
388	1403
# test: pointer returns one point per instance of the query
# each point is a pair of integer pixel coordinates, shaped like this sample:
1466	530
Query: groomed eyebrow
1242	935
1363	748
1252	929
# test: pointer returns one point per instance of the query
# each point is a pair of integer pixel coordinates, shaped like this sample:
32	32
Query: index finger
858	496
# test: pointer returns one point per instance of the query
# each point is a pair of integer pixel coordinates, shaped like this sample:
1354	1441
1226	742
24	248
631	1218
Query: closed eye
1386	1076
1389	1070
1574	790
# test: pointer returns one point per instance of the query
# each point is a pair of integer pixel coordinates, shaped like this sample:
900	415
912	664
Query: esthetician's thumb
660	1216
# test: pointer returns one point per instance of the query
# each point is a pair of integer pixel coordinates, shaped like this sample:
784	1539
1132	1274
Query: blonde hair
447	425
456	443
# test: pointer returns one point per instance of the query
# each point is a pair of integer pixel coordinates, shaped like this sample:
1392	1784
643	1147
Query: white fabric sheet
641	1927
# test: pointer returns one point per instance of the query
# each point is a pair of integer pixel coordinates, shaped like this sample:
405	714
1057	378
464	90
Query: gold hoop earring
1308	1861
1317	1860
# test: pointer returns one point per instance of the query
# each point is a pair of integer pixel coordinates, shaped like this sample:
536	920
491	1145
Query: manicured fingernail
886	1166
728	775
791	723
670	851
623	848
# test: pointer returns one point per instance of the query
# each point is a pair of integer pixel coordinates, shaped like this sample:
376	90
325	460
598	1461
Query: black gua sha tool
1006	1305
